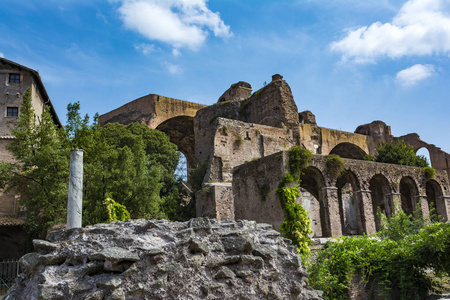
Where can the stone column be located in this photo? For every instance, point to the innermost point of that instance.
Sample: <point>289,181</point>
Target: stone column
<point>446,200</point>
<point>329,197</point>
<point>366,212</point>
<point>423,204</point>
<point>396,202</point>
<point>75,200</point>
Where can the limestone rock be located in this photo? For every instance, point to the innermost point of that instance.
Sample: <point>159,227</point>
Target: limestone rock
<point>200,259</point>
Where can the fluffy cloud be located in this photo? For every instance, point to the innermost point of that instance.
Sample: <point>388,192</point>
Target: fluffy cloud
<point>180,23</point>
<point>421,27</point>
<point>173,69</point>
<point>414,74</point>
<point>145,48</point>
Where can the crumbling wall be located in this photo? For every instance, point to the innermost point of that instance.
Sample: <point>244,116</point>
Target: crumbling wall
<point>145,259</point>
<point>321,140</point>
<point>254,183</point>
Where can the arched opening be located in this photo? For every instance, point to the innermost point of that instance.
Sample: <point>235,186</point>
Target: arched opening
<point>311,185</point>
<point>380,191</point>
<point>425,153</point>
<point>181,132</point>
<point>409,194</point>
<point>348,150</point>
<point>350,210</point>
<point>435,198</point>
<point>182,169</point>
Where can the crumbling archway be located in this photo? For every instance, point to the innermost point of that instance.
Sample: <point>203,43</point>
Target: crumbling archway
<point>409,194</point>
<point>435,198</point>
<point>380,191</point>
<point>313,182</point>
<point>348,150</point>
<point>350,210</point>
<point>181,132</point>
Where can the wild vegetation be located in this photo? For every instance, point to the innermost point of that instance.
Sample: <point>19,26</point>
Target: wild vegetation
<point>297,224</point>
<point>398,152</point>
<point>128,170</point>
<point>395,260</point>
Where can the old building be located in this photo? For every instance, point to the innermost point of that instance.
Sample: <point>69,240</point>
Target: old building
<point>243,138</point>
<point>15,79</point>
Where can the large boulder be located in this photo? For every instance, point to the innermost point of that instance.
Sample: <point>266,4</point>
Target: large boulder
<point>143,259</point>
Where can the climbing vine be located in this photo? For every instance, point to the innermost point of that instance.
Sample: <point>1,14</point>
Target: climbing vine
<point>296,225</point>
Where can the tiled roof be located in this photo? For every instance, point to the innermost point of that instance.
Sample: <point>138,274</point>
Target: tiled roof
<point>11,221</point>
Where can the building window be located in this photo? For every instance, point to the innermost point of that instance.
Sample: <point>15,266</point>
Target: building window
<point>14,78</point>
<point>12,111</point>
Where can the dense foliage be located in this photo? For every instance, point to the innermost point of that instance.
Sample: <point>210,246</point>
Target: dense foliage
<point>335,165</point>
<point>396,258</point>
<point>398,152</point>
<point>132,164</point>
<point>296,224</point>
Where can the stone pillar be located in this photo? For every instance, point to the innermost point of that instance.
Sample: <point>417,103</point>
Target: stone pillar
<point>446,200</point>
<point>423,200</point>
<point>366,212</point>
<point>75,201</point>
<point>333,226</point>
<point>396,202</point>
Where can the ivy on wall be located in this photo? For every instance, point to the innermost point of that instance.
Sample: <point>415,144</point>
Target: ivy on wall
<point>296,225</point>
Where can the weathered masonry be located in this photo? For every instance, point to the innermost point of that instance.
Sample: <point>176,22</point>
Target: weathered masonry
<point>242,139</point>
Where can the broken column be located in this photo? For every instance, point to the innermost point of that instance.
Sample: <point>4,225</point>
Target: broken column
<point>75,200</point>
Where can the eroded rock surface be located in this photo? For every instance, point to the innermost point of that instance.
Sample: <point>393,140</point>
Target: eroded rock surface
<point>148,259</point>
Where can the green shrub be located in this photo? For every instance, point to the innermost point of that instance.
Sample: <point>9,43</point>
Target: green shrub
<point>399,153</point>
<point>429,172</point>
<point>238,141</point>
<point>335,165</point>
<point>296,224</point>
<point>298,159</point>
<point>396,258</point>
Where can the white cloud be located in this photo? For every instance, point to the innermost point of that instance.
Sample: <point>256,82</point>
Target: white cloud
<point>2,55</point>
<point>180,23</point>
<point>145,48</point>
<point>173,69</point>
<point>415,74</point>
<point>421,27</point>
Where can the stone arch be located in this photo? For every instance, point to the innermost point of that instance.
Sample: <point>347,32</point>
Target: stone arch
<point>425,152</point>
<point>311,185</point>
<point>381,194</point>
<point>435,197</point>
<point>409,194</point>
<point>350,204</point>
<point>348,150</point>
<point>180,130</point>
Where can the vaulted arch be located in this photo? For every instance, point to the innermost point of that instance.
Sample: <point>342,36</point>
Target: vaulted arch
<point>435,198</point>
<point>380,191</point>
<point>180,130</point>
<point>409,194</point>
<point>312,183</point>
<point>348,150</point>
<point>350,204</point>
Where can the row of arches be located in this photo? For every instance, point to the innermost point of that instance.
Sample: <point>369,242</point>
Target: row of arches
<point>347,209</point>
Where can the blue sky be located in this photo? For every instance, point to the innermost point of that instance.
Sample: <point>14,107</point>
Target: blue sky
<point>348,61</point>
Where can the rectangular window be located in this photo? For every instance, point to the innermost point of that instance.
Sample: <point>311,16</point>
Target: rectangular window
<point>14,78</point>
<point>12,111</point>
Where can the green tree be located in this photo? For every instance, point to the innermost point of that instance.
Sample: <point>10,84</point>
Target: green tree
<point>399,153</point>
<point>132,164</point>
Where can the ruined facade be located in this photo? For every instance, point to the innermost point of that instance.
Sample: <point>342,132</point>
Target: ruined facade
<point>242,139</point>
<point>15,79</point>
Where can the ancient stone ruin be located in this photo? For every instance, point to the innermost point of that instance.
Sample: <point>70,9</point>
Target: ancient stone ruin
<point>145,259</point>
<point>242,137</point>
